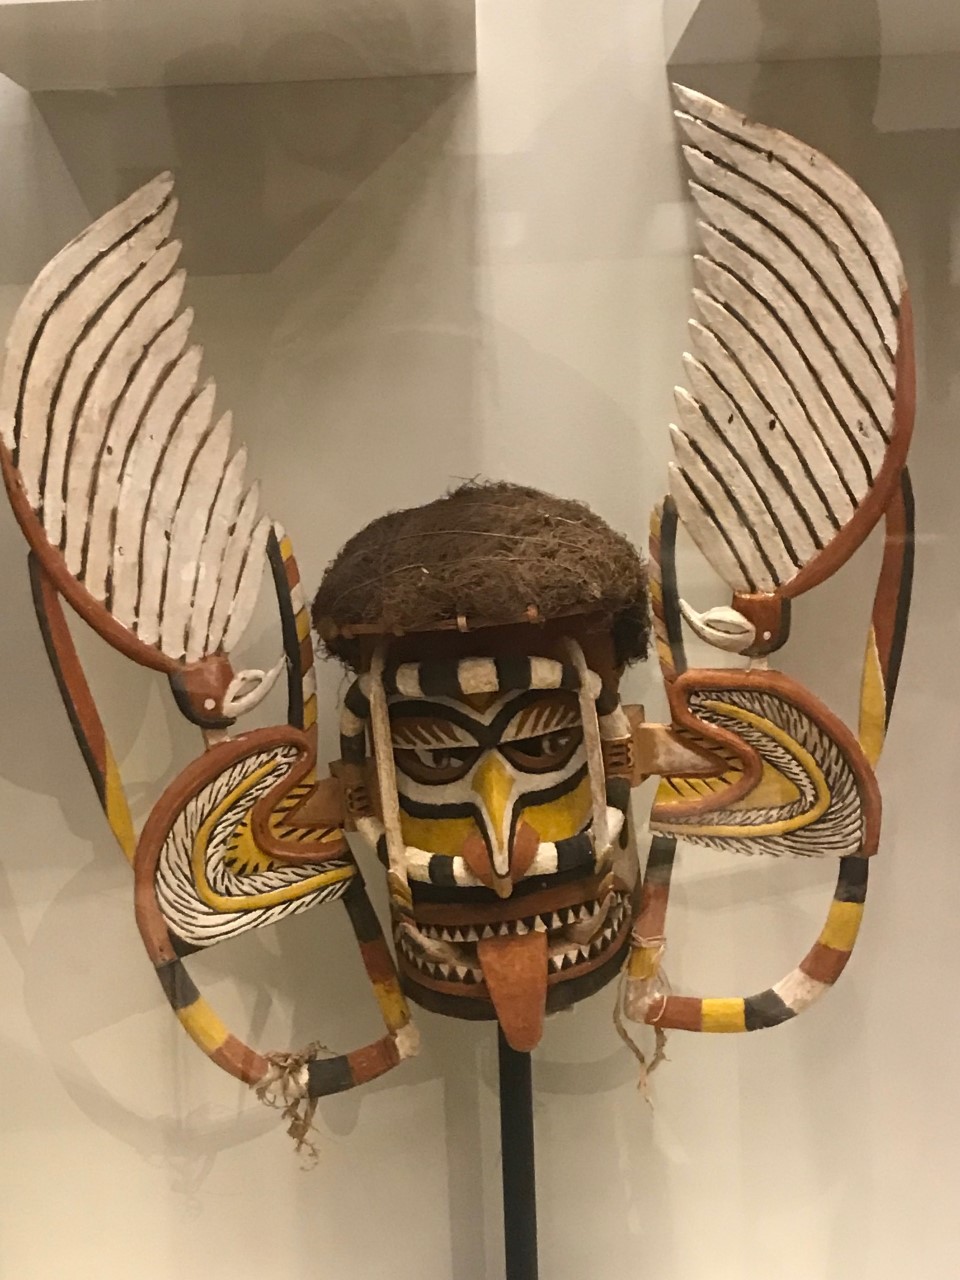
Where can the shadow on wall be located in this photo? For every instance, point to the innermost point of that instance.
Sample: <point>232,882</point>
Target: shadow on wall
<point>259,167</point>
<point>773,30</point>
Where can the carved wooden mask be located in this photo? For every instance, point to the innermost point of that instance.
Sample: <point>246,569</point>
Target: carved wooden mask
<point>485,755</point>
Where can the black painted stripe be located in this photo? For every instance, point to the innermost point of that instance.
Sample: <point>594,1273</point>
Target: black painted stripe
<point>362,915</point>
<point>720,527</point>
<point>439,679</point>
<point>618,793</point>
<point>765,1010</point>
<point>773,418</point>
<point>892,674</point>
<point>766,499</point>
<point>788,492</point>
<point>98,365</point>
<point>104,443</point>
<point>824,195</point>
<point>65,367</point>
<point>440,870</point>
<point>288,632</point>
<point>382,852</point>
<point>328,1075</point>
<point>353,747</point>
<point>852,879</point>
<point>837,257</point>
<point>576,851</point>
<point>174,516</point>
<point>356,701</point>
<point>178,986</point>
<point>810,316</point>
<point>65,293</point>
<point>660,859</point>
<point>745,523</point>
<point>608,700</point>
<point>192,397</point>
<point>788,382</point>
<point>513,672</point>
<point>155,391</point>
<point>811,368</point>
<point>669,588</point>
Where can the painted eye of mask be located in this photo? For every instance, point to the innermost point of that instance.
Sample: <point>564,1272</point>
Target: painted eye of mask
<point>436,765</point>
<point>545,753</point>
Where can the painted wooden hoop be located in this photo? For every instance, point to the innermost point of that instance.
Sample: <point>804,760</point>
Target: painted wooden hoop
<point>321,1076</point>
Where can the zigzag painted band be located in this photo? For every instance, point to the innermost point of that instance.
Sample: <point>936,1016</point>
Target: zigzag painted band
<point>817,972</point>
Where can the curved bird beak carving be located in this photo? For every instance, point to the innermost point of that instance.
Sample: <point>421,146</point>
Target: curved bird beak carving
<point>723,627</point>
<point>248,689</point>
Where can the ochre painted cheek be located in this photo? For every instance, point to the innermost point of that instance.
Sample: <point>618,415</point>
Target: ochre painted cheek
<point>562,817</point>
<point>436,835</point>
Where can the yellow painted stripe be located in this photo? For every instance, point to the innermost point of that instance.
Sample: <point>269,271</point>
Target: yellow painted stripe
<point>873,702</point>
<point>392,1004</point>
<point>656,591</point>
<point>802,756</point>
<point>249,902</point>
<point>310,712</point>
<point>723,1015</point>
<point>203,1026</point>
<point>286,547</point>
<point>303,625</point>
<point>843,925</point>
<point>117,809</point>
<point>644,962</point>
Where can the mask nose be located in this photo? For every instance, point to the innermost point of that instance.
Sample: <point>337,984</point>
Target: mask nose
<point>493,787</point>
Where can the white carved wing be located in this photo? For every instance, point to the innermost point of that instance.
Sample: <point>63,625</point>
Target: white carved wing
<point>793,416</point>
<point>113,442</point>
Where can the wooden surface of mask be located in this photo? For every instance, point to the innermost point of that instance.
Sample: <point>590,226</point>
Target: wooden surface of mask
<point>485,753</point>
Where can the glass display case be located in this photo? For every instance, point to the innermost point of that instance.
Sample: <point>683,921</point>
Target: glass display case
<point>424,247</point>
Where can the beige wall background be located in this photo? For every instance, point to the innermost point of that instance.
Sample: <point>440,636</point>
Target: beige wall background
<point>402,283</point>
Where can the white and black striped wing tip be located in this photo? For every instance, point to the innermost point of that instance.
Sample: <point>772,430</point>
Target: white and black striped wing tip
<point>792,376</point>
<point>115,440</point>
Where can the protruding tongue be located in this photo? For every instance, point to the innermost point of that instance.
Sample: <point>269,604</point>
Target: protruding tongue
<point>515,971</point>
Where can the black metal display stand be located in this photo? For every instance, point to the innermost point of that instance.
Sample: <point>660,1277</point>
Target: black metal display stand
<point>517,1158</point>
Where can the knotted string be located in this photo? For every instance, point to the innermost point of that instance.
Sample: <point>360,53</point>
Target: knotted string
<point>656,985</point>
<point>286,1084</point>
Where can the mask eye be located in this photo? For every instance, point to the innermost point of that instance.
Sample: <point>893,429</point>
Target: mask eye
<point>434,766</point>
<point>543,754</point>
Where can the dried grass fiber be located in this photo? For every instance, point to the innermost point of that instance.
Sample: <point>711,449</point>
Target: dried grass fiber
<point>488,554</point>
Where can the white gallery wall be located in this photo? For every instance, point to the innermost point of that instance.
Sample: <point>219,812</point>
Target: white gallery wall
<point>401,283</point>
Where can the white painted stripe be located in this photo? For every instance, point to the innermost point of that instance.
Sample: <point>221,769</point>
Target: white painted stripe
<point>350,725</point>
<point>186,568</point>
<point>798,991</point>
<point>408,680</point>
<point>545,673</point>
<point>615,726</point>
<point>477,675</point>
